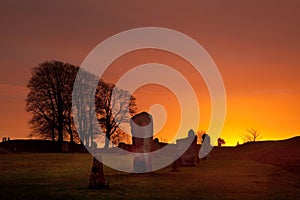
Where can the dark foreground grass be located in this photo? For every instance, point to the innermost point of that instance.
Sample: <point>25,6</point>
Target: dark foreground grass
<point>66,176</point>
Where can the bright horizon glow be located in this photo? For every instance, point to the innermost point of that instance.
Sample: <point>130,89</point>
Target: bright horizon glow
<point>260,106</point>
<point>254,44</point>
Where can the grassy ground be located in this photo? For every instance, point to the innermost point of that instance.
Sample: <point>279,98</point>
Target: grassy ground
<point>66,176</point>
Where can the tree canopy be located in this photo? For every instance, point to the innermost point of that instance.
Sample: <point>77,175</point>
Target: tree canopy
<point>48,100</point>
<point>52,114</point>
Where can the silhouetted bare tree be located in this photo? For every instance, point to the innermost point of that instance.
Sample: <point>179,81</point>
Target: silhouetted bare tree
<point>220,142</point>
<point>48,100</point>
<point>83,106</point>
<point>50,103</point>
<point>114,107</point>
<point>118,136</point>
<point>252,135</point>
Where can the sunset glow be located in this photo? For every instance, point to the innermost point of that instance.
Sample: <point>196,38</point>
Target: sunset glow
<point>256,48</point>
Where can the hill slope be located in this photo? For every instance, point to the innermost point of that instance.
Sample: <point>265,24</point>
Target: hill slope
<point>283,153</point>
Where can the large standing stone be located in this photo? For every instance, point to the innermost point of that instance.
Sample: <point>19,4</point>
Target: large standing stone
<point>142,132</point>
<point>142,139</point>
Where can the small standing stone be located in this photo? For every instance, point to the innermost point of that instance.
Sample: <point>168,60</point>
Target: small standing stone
<point>97,180</point>
<point>175,166</point>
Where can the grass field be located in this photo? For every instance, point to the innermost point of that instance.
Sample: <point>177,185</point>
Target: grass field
<point>66,176</point>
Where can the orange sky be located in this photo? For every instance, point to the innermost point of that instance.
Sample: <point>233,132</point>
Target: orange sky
<point>255,44</point>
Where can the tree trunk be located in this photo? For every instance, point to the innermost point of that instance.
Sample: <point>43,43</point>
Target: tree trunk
<point>71,138</point>
<point>60,139</point>
<point>60,136</point>
<point>52,134</point>
<point>107,140</point>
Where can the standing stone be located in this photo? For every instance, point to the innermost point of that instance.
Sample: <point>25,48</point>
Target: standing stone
<point>97,179</point>
<point>142,139</point>
<point>190,156</point>
<point>175,166</point>
<point>142,132</point>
